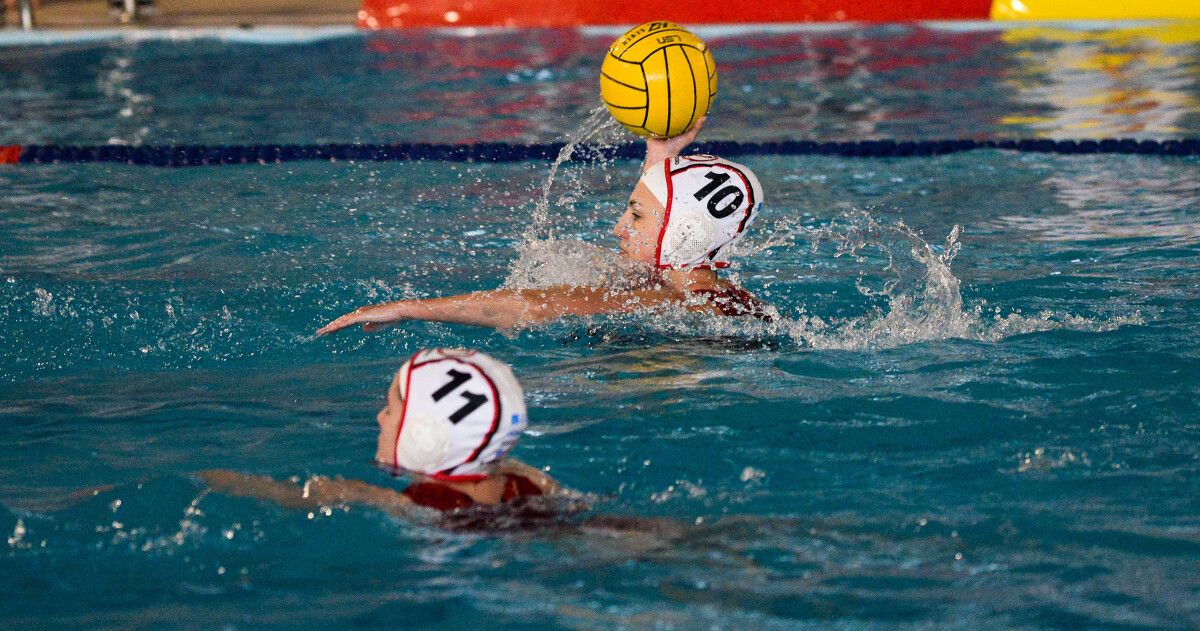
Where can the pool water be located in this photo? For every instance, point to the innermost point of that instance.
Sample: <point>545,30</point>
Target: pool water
<point>978,409</point>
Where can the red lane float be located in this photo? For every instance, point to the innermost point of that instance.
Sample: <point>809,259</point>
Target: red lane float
<point>10,154</point>
<point>380,14</point>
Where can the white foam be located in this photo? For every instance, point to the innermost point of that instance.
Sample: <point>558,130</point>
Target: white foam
<point>552,262</point>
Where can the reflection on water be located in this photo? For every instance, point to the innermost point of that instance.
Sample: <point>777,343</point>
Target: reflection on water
<point>1118,200</point>
<point>1125,82</point>
<point>1007,442</point>
<point>887,81</point>
<point>134,108</point>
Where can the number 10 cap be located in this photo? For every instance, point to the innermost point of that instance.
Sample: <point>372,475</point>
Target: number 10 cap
<point>462,410</point>
<point>709,204</point>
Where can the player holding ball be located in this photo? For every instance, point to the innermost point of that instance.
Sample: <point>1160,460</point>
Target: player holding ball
<point>682,218</point>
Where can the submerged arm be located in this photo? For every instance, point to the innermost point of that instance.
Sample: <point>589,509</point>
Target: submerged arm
<point>503,308</point>
<point>317,491</point>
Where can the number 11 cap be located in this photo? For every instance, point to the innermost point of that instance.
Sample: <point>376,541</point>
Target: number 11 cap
<point>462,410</point>
<point>709,202</point>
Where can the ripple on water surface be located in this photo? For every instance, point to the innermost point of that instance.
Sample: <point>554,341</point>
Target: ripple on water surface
<point>977,407</point>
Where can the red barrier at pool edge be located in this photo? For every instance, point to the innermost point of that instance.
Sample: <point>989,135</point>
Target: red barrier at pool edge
<point>377,14</point>
<point>10,154</point>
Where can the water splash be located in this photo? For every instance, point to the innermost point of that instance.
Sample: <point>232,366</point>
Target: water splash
<point>552,262</point>
<point>596,127</point>
<point>546,261</point>
<point>924,297</point>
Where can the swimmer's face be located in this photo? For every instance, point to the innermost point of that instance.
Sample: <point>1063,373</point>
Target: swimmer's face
<point>639,227</point>
<point>389,424</point>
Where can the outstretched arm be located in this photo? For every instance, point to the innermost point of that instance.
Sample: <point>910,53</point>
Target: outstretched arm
<point>503,308</point>
<point>316,491</point>
<point>659,149</point>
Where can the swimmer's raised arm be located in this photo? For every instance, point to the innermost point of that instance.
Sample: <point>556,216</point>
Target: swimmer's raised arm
<point>504,308</point>
<point>315,492</point>
<point>661,149</point>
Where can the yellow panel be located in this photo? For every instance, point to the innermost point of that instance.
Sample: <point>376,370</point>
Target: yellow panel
<point>620,95</point>
<point>623,71</point>
<point>683,89</point>
<point>1095,9</point>
<point>631,119</point>
<point>704,93</point>
<point>655,67</point>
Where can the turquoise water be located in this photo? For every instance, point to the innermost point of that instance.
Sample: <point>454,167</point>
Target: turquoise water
<point>978,410</point>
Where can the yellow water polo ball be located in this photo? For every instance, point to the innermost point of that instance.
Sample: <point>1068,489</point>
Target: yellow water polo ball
<point>658,79</point>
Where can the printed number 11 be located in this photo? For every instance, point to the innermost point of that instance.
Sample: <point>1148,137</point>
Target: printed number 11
<point>458,378</point>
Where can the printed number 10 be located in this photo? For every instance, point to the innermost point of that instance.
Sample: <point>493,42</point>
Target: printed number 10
<point>716,180</point>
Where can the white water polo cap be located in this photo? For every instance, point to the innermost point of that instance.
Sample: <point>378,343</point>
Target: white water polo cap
<point>462,411</point>
<point>709,202</point>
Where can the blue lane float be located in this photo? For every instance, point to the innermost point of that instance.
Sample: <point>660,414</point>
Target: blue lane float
<point>205,155</point>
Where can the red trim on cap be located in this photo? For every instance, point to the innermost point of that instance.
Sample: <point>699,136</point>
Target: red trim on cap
<point>404,408</point>
<point>666,215</point>
<point>487,438</point>
<point>753,202</point>
<point>10,154</point>
<point>671,197</point>
<point>467,477</point>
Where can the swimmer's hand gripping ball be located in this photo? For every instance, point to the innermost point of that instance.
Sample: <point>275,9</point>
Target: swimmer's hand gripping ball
<point>658,79</point>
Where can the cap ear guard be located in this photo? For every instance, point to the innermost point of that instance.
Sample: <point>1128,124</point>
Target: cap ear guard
<point>424,445</point>
<point>687,237</point>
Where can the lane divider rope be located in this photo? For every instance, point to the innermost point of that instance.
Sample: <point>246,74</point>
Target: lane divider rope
<point>203,155</point>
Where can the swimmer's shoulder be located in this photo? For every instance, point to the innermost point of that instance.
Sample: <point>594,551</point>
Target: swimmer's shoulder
<point>537,477</point>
